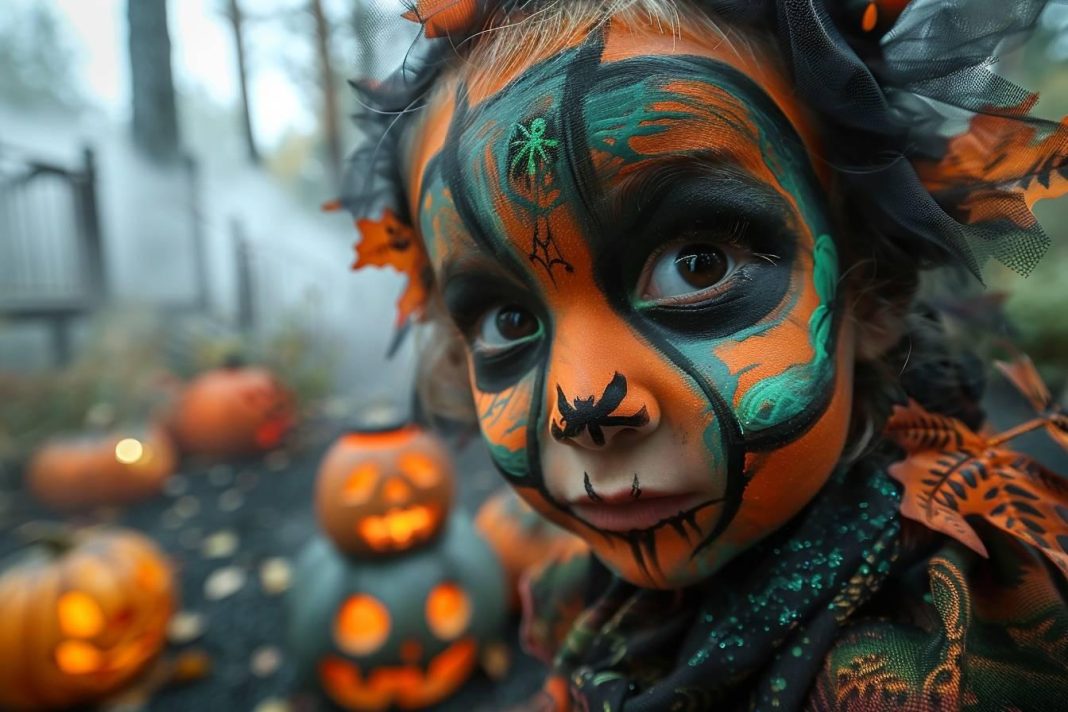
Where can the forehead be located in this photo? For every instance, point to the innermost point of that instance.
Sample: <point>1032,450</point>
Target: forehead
<point>565,132</point>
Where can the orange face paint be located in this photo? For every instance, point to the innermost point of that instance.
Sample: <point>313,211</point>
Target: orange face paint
<point>631,235</point>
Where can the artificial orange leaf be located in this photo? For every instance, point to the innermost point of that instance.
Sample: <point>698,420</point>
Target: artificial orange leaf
<point>1022,374</point>
<point>1000,157</point>
<point>389,242</point>
<point>441,18</point>
<point>950,473</point>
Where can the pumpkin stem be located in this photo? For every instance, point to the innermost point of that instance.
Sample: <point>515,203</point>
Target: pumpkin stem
<point>56,539</point>
<point>234,360</point>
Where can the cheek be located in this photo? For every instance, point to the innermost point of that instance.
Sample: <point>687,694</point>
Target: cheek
<point>784,479</point>
<point>504,421</point>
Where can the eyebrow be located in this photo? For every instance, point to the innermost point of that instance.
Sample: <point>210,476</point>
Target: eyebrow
<point>653,189</point>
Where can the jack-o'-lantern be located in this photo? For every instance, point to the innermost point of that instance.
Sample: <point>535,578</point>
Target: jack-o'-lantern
<point>383,492</point>
<point>80,616</point>
<point>91,470</point>
<point>232,411</point>
<point>521,537</point>
<point>403,632</point>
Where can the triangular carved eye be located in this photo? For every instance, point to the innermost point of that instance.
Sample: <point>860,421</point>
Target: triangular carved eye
<point>360,484</point>
<point>448,611</point>
<point>420,469</point>
<point>362,625</point>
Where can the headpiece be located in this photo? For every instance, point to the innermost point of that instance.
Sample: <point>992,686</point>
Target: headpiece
<point>886,79</point>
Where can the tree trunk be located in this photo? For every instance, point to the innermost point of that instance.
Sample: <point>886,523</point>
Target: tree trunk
<point>155,118</point>
<point>331,126</point>
<point>242,75</point>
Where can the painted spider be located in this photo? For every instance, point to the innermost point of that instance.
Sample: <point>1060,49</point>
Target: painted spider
<point>531,144</point>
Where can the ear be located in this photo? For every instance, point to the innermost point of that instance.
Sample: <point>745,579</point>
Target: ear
<point>878,322</point>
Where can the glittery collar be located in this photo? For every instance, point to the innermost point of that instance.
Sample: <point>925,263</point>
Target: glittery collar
<point>757,633</point>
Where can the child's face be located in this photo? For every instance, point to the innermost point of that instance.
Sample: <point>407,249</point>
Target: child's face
<point>632,239</point>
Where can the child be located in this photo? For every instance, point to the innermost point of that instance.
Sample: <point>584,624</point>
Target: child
<point>681,241</point>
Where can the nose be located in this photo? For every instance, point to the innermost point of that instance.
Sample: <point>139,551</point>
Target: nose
<point>621,411</point>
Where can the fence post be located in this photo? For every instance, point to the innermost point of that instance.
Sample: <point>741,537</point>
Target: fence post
<point>246,308</point>
<point>200,259</point>
<point>94,252</point>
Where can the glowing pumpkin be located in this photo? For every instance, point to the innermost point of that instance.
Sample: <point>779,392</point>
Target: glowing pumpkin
<point>521,537</point>
<point>232,411</point>
<point>81,618</point>
<point>404,632</point>
<point>384,492</point>
<point>92,470</point>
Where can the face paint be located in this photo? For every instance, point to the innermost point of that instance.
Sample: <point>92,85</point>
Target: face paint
<point>631,236</point>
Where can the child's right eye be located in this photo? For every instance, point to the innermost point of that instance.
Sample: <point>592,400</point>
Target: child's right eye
<point>504,326</point>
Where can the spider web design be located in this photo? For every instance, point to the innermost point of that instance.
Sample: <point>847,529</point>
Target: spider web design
<point>530,158</point>
<point>544,250</point>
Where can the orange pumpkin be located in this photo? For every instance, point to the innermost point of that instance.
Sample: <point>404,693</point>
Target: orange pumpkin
<point>232,411</point>
<point>521,537</point>
<point>383,492</point>
<point>81,617</point>
<point>92,470</point>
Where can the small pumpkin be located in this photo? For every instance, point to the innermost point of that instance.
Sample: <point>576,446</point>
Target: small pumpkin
<point>232,411</point>
<point>521,538</point>
<point>77,472</point>
<point>381,492</point>
<point>404,632</point>
<point>82,616</point>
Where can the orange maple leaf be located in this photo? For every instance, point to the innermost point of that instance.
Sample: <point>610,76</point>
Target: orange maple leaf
<point>951,473</point>
<point>998,159</point>
<point>441,18</point>
<point>390,242</point>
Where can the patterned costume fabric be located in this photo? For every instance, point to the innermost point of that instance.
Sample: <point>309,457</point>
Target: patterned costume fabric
<point>849,608</point>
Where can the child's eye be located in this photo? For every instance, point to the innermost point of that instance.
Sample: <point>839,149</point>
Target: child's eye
<point>503,326</point>
<point>688,271</point>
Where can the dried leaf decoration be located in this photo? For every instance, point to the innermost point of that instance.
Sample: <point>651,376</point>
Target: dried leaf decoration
<point>1022,374</point>
<point>441,18</point>
<point>389,242</point>
<point>1000,159</point>
<point>951,472</point>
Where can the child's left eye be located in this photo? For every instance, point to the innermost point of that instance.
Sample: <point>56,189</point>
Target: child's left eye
<point>688,271</point>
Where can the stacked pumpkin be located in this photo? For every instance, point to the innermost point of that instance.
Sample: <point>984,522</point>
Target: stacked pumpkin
<point>394,609</point>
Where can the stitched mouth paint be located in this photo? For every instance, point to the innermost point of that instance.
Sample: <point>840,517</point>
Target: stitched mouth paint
<point>631,237</point>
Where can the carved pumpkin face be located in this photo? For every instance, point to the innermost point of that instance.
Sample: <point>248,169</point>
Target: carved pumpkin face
<point>232,411</point>
<point>384,492</point>
<point>81,472</point>
<point>81,620</point>
<point>400,633</point>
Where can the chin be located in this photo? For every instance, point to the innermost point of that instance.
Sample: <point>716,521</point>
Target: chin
<point>675,570</point>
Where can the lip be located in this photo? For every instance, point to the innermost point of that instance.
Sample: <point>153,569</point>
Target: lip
<point>623,513</point>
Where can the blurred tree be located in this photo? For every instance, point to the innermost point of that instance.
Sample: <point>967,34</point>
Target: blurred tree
<point>37,59</point>
<point>331,123</point>
<point>155,118</point>
<point>237,23</point>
